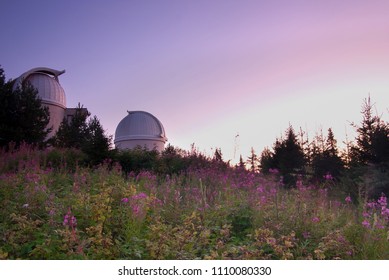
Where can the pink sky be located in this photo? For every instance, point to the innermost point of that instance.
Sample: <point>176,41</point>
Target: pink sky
<point>209,69</point>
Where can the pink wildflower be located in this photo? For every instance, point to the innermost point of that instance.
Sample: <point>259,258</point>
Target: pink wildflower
<point>140,196</point>
<point>69,220</point>
<point>366,215</point>
<point>348,199</point>
<point>328,177</point>
<point>366,224</point>
<point>124,200</point>
<point>315,219</point>
<point>371,204</point>
<point>273,171</point>
<point>382,201</point>
<point>385,212</point>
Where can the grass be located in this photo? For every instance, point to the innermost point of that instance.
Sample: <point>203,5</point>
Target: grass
<point>54,209</point>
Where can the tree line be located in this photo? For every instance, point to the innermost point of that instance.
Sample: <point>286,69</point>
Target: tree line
<point>23,119</point>
<point>364,161</point>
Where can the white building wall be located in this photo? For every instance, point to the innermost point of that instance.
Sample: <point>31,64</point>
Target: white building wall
<point>57,114</point>
<point>132,144</point>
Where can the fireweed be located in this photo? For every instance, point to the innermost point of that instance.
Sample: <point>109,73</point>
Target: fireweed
<point>58,211</point>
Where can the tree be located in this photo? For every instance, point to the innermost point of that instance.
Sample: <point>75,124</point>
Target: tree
<point>326,162</point>
<point>288,157</point>
<point>22,116</point>
<point>241,165</point>
<point>97,143</point>
<point>266,160</point>
<point>253,161</point>
<point>73,133</point>
<point>372,140</point>
<point>86,135</point>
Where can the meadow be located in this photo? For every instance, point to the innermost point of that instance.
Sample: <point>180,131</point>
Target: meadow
<point>52,207</point>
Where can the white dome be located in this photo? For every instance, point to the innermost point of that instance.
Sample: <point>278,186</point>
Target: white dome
<point>45,80</point>
<point>139,128</point>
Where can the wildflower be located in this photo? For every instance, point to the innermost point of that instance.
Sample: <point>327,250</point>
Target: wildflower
<point>69,220</point>
<point>73,221</point>
<point>348,199</point>
<point>328,177</point>
<point>25,205</point>
<point>371,204</point>
<point>382,201</point>
<point>140,196</point>
<point>385,212</point>
<point>66,220</point>
<point>315,219</point>
<point>124,200</point>
<point>366,215</point>
<point>366,224</point>
<point>273,170</point>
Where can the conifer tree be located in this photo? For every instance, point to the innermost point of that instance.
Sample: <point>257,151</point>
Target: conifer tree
<point>253,161</point>
<point>372,140</point>
<point>326,162</point>
<point>22,116</point>
<point>288,157</point>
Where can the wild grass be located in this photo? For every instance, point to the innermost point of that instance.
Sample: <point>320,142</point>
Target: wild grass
<point>52,208</point>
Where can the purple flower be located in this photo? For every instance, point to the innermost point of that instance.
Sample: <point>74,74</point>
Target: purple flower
<point>385,212</point>
<point>124,200</point>
<point>139,196</point>
<point>366,215</point>
<point>273,170</point>
<point>382,201</point>
<point>366,224</point>
<point>315,219</point>
<point>348,199</point>
<point>328,177</point>
<point>66,220</point>
<point>69,220</point>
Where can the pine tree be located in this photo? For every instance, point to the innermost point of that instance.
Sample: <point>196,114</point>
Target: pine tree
<point>86,135</point>
<point>73,133</point>
<point>97,143</point>
<point>326,162</point>
<point>372,141</point>
<point>22,116</point>
<point>289,157</point>
<point>266,160</point>
<point>253,161</point>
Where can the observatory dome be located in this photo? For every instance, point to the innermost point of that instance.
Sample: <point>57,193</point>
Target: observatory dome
<point>45,80</point>
<point>142,129</point>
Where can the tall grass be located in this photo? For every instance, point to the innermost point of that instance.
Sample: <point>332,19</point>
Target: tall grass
<point>53,208</point>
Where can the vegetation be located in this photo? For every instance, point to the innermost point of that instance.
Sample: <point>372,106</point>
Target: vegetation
<point>53,208</point>
<point>22,117</point>
<point>78,199</point>
<point>86,135</point>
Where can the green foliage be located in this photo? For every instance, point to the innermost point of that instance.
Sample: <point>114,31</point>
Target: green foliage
<point>22,116</point>
<point>86,135</point>
<point>53,208</point>
<point>287,157</point>
<point>372,141</point>
<point>326,161</point>
<point>73,133</point>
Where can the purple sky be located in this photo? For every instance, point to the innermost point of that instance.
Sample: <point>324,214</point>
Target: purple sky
<point>209,70</point>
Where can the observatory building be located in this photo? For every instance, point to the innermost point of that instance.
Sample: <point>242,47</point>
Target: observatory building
<point>51,93</point>
<point>140,129</point>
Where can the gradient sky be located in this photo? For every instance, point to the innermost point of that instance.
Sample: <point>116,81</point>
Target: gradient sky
<point>209,70</point>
